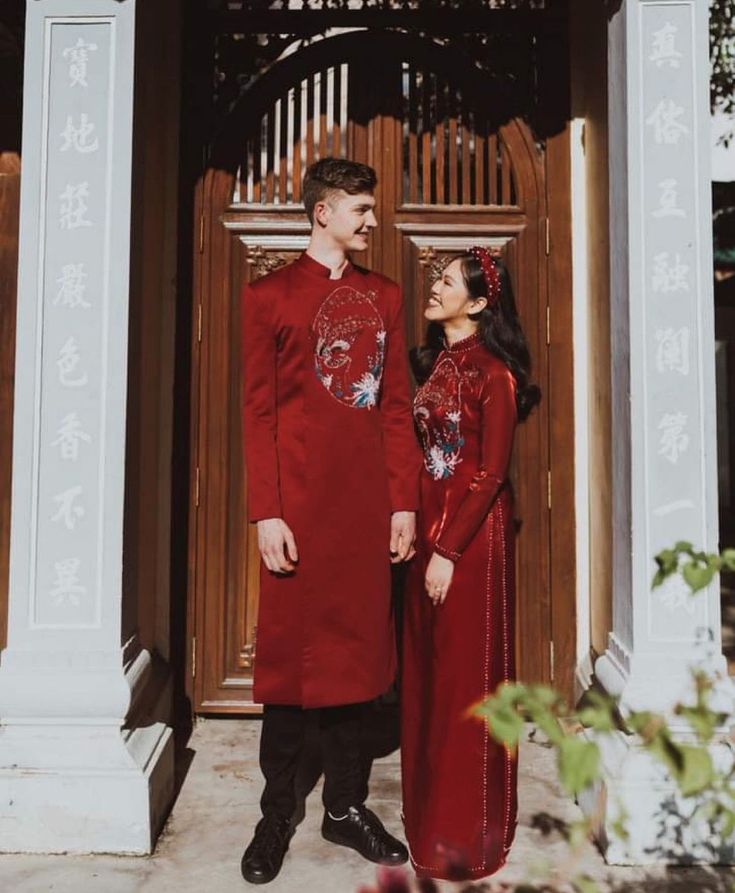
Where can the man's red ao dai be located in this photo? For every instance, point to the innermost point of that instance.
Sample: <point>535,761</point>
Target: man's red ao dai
<point>459,787</point>
<point>330,448</point>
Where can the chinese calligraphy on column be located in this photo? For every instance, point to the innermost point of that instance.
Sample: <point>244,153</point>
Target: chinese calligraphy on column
<point>76,260</point>
<point>78,56</point>
<point>72,287</point>
<point>80,137</point>
<point>672,351</point>
<point>670,290</point>
<point>663,49</point>
<point>74,206</point>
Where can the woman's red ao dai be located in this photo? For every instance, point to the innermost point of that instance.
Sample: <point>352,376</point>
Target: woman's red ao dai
<point>459,787</point>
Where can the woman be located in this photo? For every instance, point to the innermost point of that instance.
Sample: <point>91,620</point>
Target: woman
<point>459,787</point>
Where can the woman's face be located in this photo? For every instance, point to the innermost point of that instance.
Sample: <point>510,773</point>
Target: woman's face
<point>449,300</point>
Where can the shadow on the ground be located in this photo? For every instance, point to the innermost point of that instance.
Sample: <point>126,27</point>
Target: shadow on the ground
<point>679,880</point>
<point>183,760</point>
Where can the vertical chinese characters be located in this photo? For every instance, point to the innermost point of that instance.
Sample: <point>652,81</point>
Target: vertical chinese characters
<point>67,588</point>
<point>67,362</point>
<point>74,206</point>
<point>672,350</point>
<point>663,50</point>
<point>68,513</point>
<point>69,436</point>
<point>668,200</point>
<point>669,275</point>
<point>673,440</point>
<point>78,57</point>
<point>665,119</point>
<point>72,287</point>
<point>76,176</point>
<point>80,138</point>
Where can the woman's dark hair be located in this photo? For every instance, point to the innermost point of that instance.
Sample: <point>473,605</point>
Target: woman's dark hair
<point>499,328</point>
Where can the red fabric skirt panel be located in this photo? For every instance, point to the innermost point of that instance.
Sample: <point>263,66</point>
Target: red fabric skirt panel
<point>459,787</point>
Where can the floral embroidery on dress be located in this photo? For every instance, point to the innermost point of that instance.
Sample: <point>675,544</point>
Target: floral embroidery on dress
<point>350,347</point>
<point>439,419</point>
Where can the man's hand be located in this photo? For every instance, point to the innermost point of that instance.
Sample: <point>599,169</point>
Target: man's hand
<point>402,536</point>
<point>277,546</point>
<point>438,579</point>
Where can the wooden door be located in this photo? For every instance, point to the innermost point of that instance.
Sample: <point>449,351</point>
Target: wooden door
<point>9,221</point>
<point>449,176</point>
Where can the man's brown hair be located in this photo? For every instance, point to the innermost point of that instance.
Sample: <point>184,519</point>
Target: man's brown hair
<point>331,174</point>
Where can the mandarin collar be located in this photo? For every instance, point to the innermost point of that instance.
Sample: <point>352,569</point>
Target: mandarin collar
<point>308,263</point>
<point>463,344</point>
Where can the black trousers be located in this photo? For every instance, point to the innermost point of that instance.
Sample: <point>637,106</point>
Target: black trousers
<point>282,741</point>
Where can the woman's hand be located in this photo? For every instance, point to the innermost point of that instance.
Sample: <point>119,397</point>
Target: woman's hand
<point>438,579</point>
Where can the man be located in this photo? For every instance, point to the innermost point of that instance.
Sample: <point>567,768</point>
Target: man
<point>332,469</point>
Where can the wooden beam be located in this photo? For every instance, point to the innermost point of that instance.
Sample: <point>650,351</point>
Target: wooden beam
<point>281,21</point>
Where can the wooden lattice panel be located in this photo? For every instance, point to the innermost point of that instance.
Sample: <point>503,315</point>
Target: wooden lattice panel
<point>307,123</point>
<point>450,153</point>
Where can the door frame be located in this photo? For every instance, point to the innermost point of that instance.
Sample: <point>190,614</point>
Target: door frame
<point>561,440</point>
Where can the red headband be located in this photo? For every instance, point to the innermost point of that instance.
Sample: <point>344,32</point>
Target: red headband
<point>489,272</point>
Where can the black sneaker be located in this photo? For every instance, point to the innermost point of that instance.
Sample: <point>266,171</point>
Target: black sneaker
<point>363,831</point>
<point>263,858</point>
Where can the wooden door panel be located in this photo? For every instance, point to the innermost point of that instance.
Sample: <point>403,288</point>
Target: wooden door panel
<point>9,220</point>
<point>227,644</point>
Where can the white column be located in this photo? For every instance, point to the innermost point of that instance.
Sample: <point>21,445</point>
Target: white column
<point>664,450</point>
<point>72,777</point>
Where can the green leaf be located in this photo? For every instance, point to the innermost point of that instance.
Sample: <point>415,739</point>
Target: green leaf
<point>667,561</point>
<point>596,718</point>
<point>728,823</point>
<point>728,559</point>
<point>549,725</point>
<point>619,827</point>
<point>598,712</point>
<point>702,720</point>
<point>578,762</point>
<point>578,833</point>
<point>709,811</point>
<point>667,558</point>
<point>584,884</point>
<point>684,546</point>
<point>661,746</point>
<point>697,576</point>
<point>505,725</point>
<point>645,723</point>
<point>697,772</point>
<point>544,696</point>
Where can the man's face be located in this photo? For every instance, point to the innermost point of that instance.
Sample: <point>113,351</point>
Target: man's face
<point>348,219</point>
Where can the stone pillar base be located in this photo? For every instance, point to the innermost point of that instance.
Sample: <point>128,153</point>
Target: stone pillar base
<point>659,821</point>
<point>102,789</point>
<point>72,778</point>
<point>656,681</point>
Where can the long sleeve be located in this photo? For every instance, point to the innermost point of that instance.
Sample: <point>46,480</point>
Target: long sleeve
<point>498,421</point>
<point>402,456</point>
<point>259,404</point>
